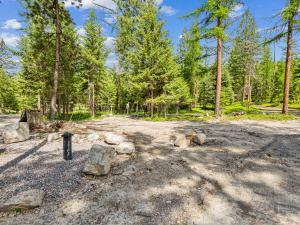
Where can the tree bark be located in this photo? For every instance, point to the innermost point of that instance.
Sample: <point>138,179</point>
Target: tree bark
<point>119,81</point>
<point>244,88</point>
<point>2,108</point>
<point>93,102</point>
<point>67,103</point>
<point>152,104</point>
<point>137,107</point>
<point>250,72</point>
<point>273,89</point>
<point>285,108</point>
<point>165,106</point>
<point>55,83</point>
<point>34,119</point>
<point>219,72</point>
<point>59,105</point>
<point>39,102</point>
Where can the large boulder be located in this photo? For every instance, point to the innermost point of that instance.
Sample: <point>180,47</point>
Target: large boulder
<point>114,139</point>
<point>15,132</point>
<point>199,139</point>
<point>25,200</point>
<point>181,141</point>
<point>99,160</point>
<point>126,148</point>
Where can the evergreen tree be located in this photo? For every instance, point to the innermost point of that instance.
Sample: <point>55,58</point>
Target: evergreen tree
<point>289,16</point>
<point>213,25</point>
<point>95,54</point>
<point>151,56</point>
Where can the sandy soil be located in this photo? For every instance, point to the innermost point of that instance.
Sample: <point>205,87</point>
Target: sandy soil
<point>248,172</point>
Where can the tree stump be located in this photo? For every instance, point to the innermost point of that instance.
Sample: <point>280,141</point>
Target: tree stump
<point>34,118</point>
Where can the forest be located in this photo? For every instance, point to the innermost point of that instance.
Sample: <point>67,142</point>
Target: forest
<point>220,61</point>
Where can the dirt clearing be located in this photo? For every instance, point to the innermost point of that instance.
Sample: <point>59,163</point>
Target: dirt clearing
<point>247,172</point>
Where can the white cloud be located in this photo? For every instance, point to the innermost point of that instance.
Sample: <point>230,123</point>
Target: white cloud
<point>159,2</point>
<point>112,61</point>
<point>10,39</point>
<point>12,24</point>
<point>168,10</point>
<point>81,31</point>
<point>86,4</point>
<point>111,54</point>
<point>181,36</point>
<point>237,11</point>
<point>260,30</point>
<point>110,43</point>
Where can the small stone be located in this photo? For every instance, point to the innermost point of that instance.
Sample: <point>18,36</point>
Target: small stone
<point>93,137</point>
<point>76,138</point>
<point>168,202</point>
<point>126,148</point>
<point>53,136</point>
<point>181,141</point>
<point>114,139</point>
<point>199,139</point>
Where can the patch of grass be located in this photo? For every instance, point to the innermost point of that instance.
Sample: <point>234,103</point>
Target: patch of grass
<point>17,209</point>
<point>237,107</point>
<point>261,117</point>
<point>279,106</point>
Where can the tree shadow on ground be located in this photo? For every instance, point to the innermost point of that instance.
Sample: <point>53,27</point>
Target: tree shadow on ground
<point>223,182</point>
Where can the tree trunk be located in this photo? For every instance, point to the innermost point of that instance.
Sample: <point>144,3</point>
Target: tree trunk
<point>34,119</point>
<point>165,105</point>
<point>137,107</point>
<point>39,102</point>
<point>119,81</point>
<point>2,108</point>
<point>177,109</point>
<point>285,108</point>
<point>55,83</point>
<point>250,72</point>
<point>67,107</point>
<point>152,104</point>
<point>273,89</point>
<point>244,88</point>
<point>59,105</point>
<point>219,72</point>
<point>93,102</point>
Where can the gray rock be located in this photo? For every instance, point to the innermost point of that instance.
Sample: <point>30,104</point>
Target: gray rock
<point>25,200</point>
<point>114,139</point>
<point>76,138</point>
<point>93,137</point>
<point>126,148</point>
<point>199,139</point>
<point>53,136</point>
<point>15,132</point>
<point>99,160</point>
<point>181,141</point>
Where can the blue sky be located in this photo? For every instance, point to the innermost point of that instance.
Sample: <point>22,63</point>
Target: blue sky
<point>172,9</point>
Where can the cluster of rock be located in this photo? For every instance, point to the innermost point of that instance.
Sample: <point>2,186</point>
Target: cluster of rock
<point>182,142</point>
<point>101,156</point>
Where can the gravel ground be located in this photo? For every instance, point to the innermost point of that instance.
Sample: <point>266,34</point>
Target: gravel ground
<point>39,165</point>
<point>247,172</point>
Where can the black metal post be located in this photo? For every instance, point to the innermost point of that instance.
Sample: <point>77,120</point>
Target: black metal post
<point>67,145</point>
